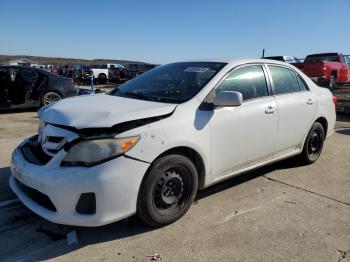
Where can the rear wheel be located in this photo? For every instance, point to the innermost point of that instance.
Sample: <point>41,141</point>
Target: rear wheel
<point>50,97</point>
<point>313,144</point>
<point>167,191</point>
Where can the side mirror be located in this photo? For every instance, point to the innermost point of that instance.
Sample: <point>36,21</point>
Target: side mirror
<point>228,99</point>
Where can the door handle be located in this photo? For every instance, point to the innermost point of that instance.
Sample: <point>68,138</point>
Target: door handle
<point>269,110</point>
<point>310,101</point>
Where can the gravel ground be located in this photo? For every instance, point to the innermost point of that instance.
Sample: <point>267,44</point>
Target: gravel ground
<point>283,212</point>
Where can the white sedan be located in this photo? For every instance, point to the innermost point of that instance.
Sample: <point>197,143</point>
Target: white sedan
<point>148,146</point>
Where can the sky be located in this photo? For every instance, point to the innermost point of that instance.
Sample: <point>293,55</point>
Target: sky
<point>161,31</point>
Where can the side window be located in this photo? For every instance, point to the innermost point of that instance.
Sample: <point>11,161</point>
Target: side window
<point>302,84</point>
<point>248,80</point>
<point>30,76</point>
<point>284,80</point>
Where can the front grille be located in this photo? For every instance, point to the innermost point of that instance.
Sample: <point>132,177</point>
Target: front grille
<point>33,152</point>
<point>38,197</point>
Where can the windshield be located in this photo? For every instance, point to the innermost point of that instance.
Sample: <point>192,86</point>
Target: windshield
<point>172,83</point>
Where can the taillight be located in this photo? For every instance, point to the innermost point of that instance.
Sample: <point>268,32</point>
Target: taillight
<point>324,68</point>
<point>334,99</point>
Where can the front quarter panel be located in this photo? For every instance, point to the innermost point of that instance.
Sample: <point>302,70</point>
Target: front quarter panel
<point>186,127</point>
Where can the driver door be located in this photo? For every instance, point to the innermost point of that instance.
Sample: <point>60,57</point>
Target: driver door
<point>243,136</point>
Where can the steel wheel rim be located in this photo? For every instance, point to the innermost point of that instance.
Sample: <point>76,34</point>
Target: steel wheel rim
<point>314,143</point>
<point>171,191</point>
<point>51,97</point>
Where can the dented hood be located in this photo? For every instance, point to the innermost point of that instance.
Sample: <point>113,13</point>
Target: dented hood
<point>93,111</point>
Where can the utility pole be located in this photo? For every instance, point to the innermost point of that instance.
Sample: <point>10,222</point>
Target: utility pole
<point>263,53</point>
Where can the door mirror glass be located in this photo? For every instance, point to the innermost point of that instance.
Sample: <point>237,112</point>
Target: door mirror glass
<point>228,99</point>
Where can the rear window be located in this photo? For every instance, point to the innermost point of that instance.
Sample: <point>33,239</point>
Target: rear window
<point>328,58</point>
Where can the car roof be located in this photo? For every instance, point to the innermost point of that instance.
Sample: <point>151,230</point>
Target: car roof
<point>241,61</point>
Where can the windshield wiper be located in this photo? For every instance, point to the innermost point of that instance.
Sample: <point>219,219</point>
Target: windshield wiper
<point>137,95</point>
<point>148,98</point>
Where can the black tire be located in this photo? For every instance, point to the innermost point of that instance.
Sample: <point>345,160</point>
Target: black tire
<point>313,144</point>
<point>102,79</point>
<point>332,82</point>
<point>167,191</point>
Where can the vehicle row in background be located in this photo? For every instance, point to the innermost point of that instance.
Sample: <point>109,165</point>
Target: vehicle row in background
<point>102,73</point>
<point>32,87</point>
<point>326,69</point>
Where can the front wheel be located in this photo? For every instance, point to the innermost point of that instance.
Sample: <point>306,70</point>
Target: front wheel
<point>313,144</point>
<point>167,191</point>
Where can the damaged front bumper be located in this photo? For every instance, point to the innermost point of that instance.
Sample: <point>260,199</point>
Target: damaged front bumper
<point>64,195</point>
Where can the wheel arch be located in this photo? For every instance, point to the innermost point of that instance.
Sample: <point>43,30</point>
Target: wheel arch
<point>191,154</point>
<point>47,90</point>
<point>323,121</point>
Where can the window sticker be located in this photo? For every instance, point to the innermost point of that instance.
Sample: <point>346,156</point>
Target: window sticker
<point>192,69</point>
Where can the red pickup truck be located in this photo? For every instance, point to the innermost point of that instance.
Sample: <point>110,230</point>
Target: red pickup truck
<point>327,69</point>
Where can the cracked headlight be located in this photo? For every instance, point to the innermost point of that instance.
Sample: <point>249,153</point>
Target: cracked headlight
<point>93,152</point>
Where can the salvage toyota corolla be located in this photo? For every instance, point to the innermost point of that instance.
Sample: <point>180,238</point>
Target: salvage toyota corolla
<point>149,145</point>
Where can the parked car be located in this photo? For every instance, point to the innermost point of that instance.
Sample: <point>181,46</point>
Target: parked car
<point>117,75</point>
<point>53,69</point>
<point>284,58</point>
<point>135,70</point>
<point>100,72</point>
<point>82,74</point>
<point>149,145</point>
<point>66,71</point>
<point>32,87</point>
<point>326,69</point>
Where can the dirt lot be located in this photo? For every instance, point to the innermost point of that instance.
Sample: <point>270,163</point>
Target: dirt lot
<point>283,212</point>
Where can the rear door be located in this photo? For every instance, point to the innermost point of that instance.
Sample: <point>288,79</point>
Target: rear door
<point>25,83</point>
<point>296,108</point>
